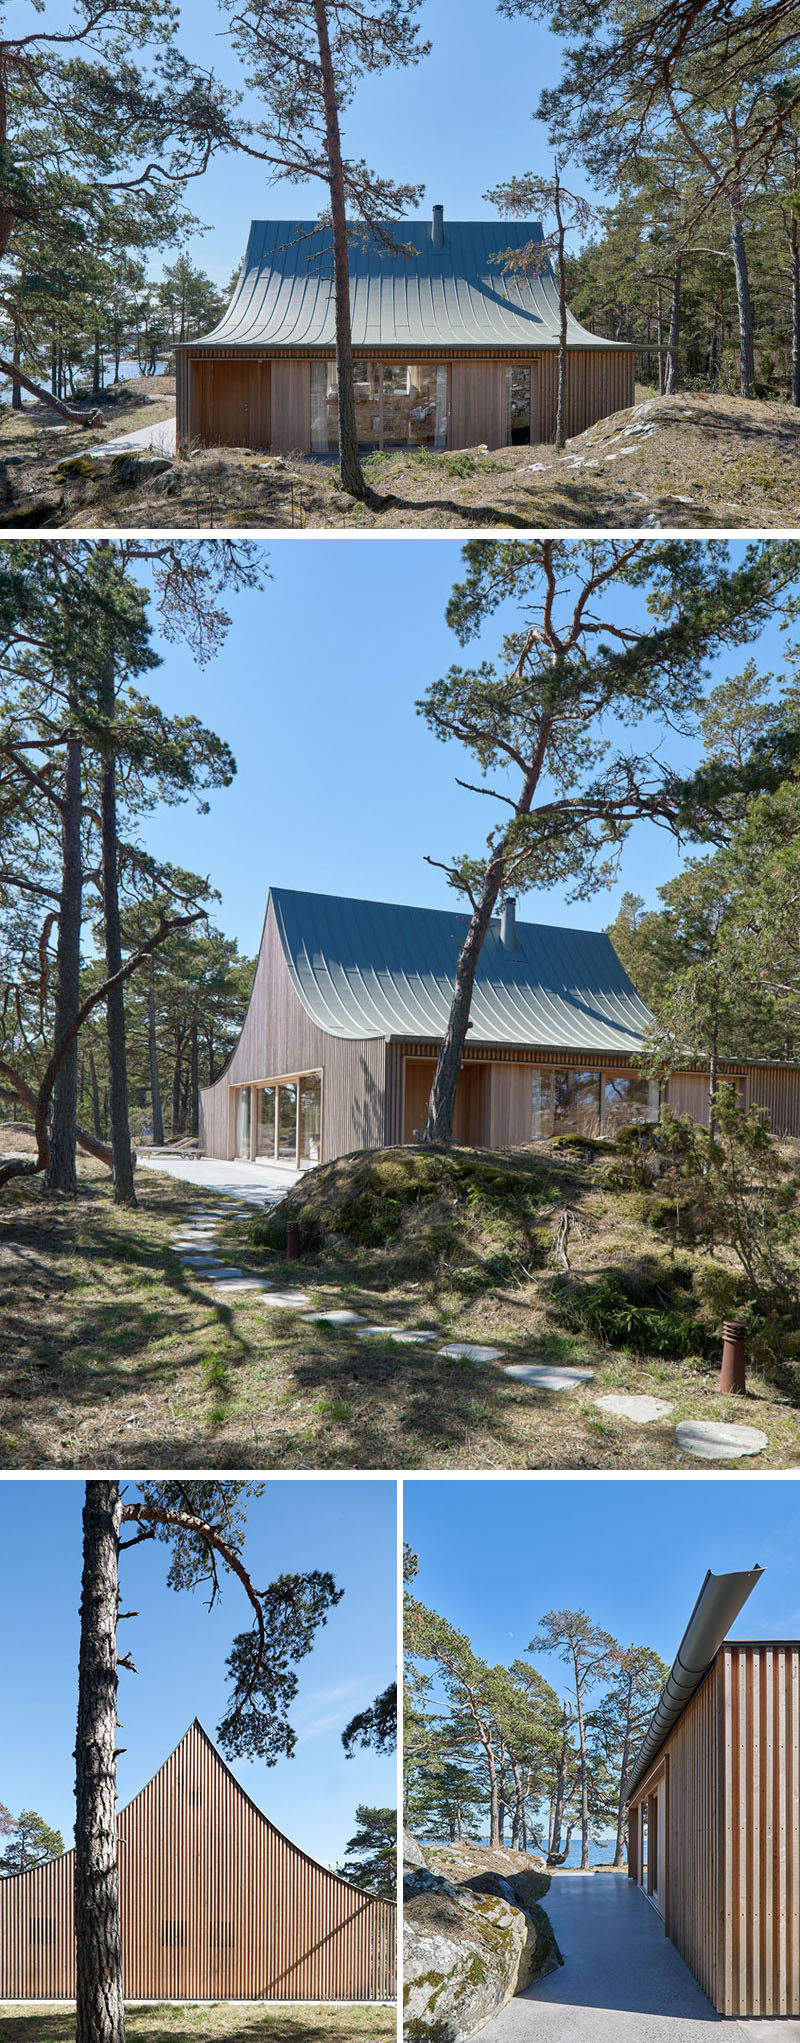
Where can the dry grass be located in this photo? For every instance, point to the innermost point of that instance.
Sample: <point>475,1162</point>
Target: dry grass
<point>685,461</point>
<point>223,2022</point>
<point>115,1356</point>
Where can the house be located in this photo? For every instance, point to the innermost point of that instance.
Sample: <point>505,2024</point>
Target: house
<point>215,1904</point>
<point>450,348</point>
<point>714,1808</point>
<point>349,1005</point>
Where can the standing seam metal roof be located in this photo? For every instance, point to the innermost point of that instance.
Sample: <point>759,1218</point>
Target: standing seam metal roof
<point>453,296</point>
<point>373,969</point>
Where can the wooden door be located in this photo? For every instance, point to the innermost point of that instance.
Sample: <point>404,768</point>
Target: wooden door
<point>230,404</point>
<point>478,404</point>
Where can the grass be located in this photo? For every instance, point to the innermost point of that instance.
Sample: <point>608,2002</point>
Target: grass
<point>116,1356</point>
<point>218,2022</point>
<point>683,461</point>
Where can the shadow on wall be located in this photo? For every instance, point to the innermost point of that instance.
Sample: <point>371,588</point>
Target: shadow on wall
<point>369,1111</point>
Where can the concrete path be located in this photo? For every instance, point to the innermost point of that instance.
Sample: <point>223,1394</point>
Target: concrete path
<point>256,1183</point>
<point>622,1981</point>
<point>155,439</point>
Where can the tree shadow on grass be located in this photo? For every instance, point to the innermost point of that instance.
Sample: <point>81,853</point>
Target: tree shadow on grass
<point>219,2023</point>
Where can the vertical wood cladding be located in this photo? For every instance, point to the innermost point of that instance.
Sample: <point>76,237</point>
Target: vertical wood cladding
<point>278,1037</point>
<point>773,1087</point>
<point>265,401</point>
<point>733,1816</point>
<point>216,1905</point>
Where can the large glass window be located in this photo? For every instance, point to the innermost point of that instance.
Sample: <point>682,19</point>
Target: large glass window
<point>311,1118</point>
<point>267,1116</point>
<point>542,1105</point>
<point>398,404</point>
<point>576,1101</point>
<point>628,1097</point>
<point>518,388</point>
<point>287,1122</point>
<point>243,1121</point>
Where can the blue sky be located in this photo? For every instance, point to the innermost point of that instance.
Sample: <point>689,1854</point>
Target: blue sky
<point>631,1552</point>
<point>180,1648</point>
<point>341,787</point>
<point>458,123</point>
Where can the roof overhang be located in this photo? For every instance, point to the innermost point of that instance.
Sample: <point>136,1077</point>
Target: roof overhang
<point>718,1605</point>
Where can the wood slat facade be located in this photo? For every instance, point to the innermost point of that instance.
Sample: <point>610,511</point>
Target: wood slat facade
<point>251,398</point>
<point>215,1905</point>
<point>721,1809</point>
<point>375,1091</point>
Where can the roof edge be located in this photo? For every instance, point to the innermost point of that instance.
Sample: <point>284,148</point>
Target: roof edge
<point>717,1606</point>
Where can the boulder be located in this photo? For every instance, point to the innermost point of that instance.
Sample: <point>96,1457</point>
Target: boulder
<point>413,1855</point>
<point>473,1937</point>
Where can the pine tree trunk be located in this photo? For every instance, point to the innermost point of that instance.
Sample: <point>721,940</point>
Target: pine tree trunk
<point>660,341</point>
<point>795,315</point>
<point>155,1082</point>
<point>561,1782</point>
<point>352,477</point>
<point>124,1192</point>
<point>194,1083</point>
<point>561,399</point>
<point>96,364</point>
<point>61,1174</point>
<point>100,2011</point>
<point>584,1783</point>
<point>96,1117</point>
<point>713,1081</point>
<point>177,1077</point>
<point>672,379</point>
<point>619,1850</point>
<point>16,386</point>
<point>441,1105</point>
<point>747,366</point>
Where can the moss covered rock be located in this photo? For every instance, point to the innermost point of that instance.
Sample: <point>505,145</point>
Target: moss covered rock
<point>470,1942</point>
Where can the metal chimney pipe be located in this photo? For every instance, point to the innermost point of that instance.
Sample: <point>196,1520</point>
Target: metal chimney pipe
<point>508,923</point>
<point>437,227</point>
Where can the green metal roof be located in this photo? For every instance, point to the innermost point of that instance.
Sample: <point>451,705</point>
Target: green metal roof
<point>449,296</point>
<point>372,968</point>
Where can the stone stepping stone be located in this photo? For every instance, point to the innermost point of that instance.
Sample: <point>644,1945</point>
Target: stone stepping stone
<point>640,1410</point>
<point>470,1351</point>
<point>375,1333</point>
<point>339,1317</point>
<point>200,1262</point>
<point>543,1378</point>
<point>219,1272</point>
<point>292,1300</point>
<point>226,1284</point>
<point>717,1440</point>
<point>409,1337</point>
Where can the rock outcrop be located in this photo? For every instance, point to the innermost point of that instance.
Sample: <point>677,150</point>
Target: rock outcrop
<point>474,1935</point>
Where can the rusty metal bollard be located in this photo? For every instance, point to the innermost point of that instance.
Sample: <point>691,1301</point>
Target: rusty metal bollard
<point>732,1375</point>
<point>292,1242</point>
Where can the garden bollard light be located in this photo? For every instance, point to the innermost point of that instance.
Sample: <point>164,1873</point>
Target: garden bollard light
<point>292,1242</point>
<point>732,1375</point>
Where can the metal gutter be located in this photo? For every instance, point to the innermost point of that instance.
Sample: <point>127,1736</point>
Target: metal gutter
<point>718,1605</point>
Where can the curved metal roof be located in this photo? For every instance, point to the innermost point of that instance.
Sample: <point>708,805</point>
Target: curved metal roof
<point>718,1604</point>
<point>369,968</point>
<point>451,296</point>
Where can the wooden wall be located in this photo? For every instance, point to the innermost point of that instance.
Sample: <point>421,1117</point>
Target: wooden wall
<point>291,407</point>
<point>225,400</point>
<point>229,403</point>
<point>733,1814</point>
<point>774,1087</point>
<point>471,1115</point>
<point>478,404</point>
<point>215,1905</point>
<point>278,1036</point>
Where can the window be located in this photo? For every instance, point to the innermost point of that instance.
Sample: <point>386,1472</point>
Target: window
<point>311,1118</point>
<point>243,1121</point>
<point>542,1105</point>
<point>626,1098</point>
<point>41,1929</point>
<point>222,1936</point>
<point>518,387</point>
<point>577,1102</point>
<point>173,1935</point>
<point>267,1121</point>
<point>398,404</point>
<point>287,1123</point>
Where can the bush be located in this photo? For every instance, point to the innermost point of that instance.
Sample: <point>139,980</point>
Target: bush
<point>623,1311</point>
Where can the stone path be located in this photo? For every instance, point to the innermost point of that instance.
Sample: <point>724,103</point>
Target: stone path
<point>258,1184</point>
<point>622,1981</point>
<point>153,439</point>
<point>194,1241</point>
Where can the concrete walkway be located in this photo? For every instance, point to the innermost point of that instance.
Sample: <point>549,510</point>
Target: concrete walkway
<point>622,1981</point>
<point>255,1183</point>
<point>155,439</point>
